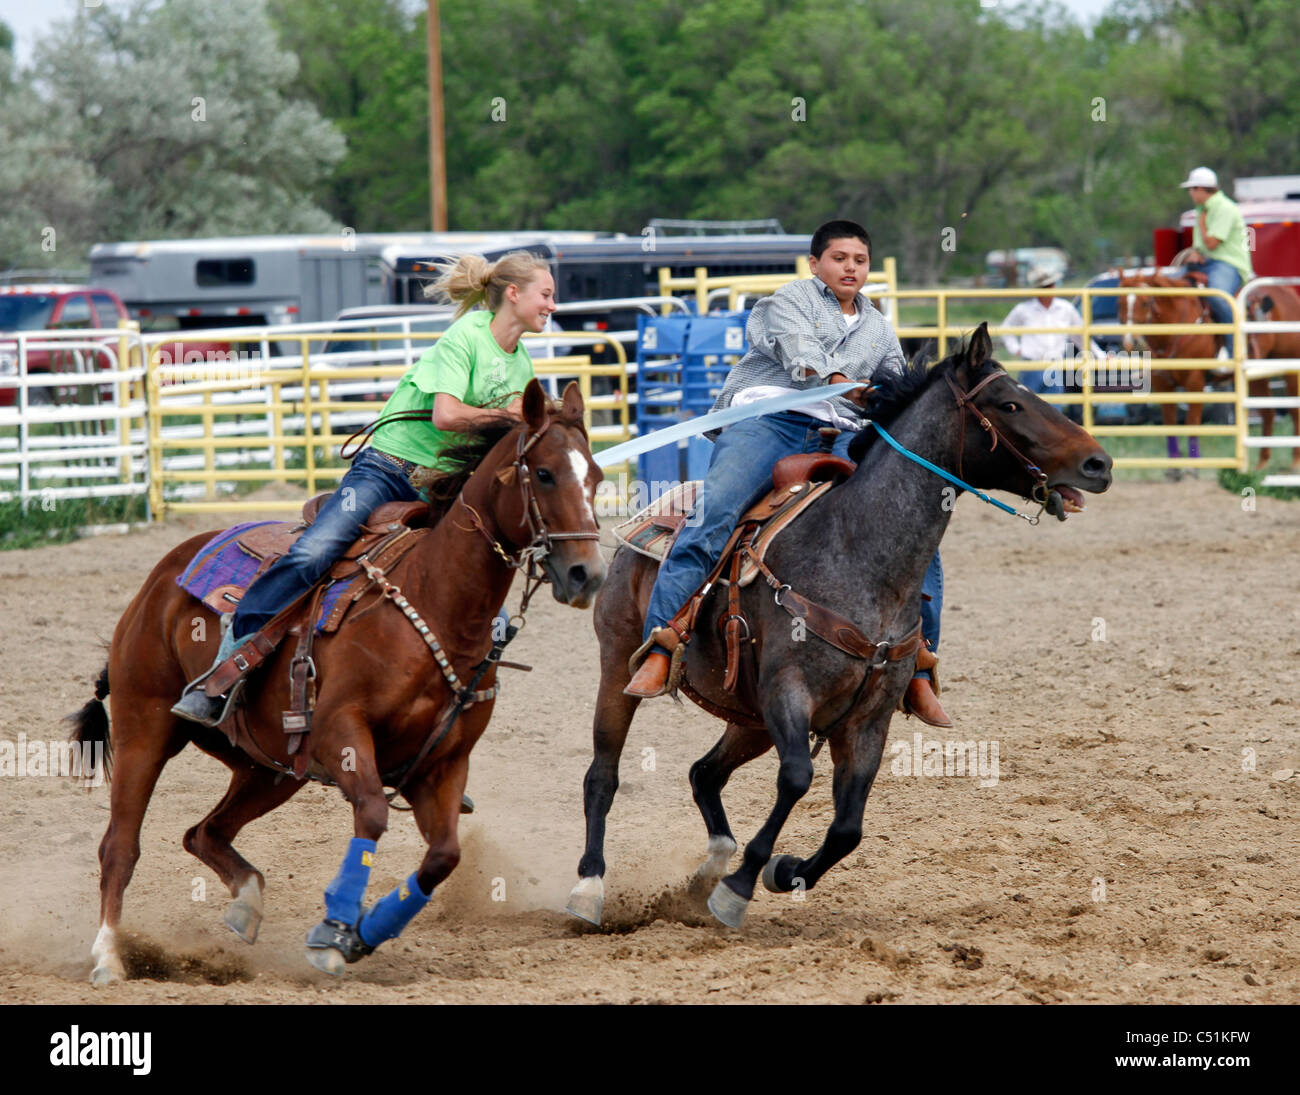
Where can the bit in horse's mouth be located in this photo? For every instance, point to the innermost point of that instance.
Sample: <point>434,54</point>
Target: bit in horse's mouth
<point>1072,498</point>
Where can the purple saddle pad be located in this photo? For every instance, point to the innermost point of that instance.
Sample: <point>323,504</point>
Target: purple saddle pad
<point>222,562</point>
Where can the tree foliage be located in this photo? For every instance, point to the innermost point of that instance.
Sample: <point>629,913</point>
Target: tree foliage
<point>948,129</point>
<point>159,121</point>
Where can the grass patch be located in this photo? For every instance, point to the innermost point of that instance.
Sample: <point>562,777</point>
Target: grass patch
<point>1234,481</point>
<point>58,520</point>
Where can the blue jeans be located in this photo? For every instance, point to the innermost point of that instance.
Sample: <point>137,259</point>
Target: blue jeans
<point>1219,275</point>
<point>740,473</point>
<point>371,481</point>
<point>1035,381</point>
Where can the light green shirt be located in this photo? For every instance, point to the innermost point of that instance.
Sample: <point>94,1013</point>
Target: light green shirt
<point>1223,221</point>
<point>467,362</point>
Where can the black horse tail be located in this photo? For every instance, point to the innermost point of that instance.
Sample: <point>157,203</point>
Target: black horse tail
<point>90,729</point>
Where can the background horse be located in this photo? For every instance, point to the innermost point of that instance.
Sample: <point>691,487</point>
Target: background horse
<point>1136,308</point>
<point>380,692</point>
<point>1279,303</point>
<point>862,553</point>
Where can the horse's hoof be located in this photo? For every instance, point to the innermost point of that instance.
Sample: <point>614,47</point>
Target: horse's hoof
<point>244,920</point>
<point>333,937</point>
<point>776,863</point>
<point>587,899</point>
<point>720,851</point>
<point>727,905</point>
<point>107,975</point>
<point>327,960</point>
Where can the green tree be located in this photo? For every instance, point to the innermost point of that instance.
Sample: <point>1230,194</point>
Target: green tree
<point>365,71</point>
<point>161,121</point>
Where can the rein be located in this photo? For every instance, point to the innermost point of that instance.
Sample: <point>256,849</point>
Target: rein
<point>965,399</point>
<point>542,539</point>
<point>366,431</point>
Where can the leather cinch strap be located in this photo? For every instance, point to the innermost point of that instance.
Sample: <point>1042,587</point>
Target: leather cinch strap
<point>841,633</point>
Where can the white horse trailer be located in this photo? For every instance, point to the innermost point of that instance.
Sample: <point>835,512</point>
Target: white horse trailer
<point>266,280</point>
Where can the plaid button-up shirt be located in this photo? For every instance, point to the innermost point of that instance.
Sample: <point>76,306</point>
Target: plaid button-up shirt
<point>798,338</point>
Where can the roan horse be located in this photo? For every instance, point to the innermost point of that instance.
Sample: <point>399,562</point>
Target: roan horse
<point>862,555</point>
<point>381,695</point>
<point>1136,308</point>
<point>1279,303</point>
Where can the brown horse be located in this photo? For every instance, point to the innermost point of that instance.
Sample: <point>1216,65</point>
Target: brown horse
<point>380,696</point>
<point>1136,308</point>
<point>863,554</point>
<point>1279,303</point>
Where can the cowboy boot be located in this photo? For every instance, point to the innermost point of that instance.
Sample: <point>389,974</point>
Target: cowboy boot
<point>651,679</point>
<point>920,700</point>
<point>195,704</point>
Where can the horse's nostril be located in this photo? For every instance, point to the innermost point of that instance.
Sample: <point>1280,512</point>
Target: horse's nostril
<point>577,577</point>
<point>1096,466</point>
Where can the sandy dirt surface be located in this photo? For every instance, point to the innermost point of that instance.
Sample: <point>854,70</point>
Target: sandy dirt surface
<point>1129,851</point>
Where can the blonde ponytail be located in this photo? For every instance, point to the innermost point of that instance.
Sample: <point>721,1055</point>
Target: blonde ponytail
<point>471,280</point>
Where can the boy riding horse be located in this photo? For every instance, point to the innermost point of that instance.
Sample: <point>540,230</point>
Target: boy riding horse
<point>808,333</point>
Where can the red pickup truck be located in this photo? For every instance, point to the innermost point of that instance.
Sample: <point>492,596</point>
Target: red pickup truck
<point>55,308</point>
<point>61,307</point>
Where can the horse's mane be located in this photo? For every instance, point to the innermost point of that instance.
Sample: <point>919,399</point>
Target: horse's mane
<point>458,461</point>
<point>893,392</point>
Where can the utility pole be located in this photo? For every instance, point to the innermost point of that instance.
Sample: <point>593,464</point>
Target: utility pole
<point>437,150</point>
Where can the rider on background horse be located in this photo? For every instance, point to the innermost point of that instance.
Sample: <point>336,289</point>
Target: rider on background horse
<point>810,332</point>
<point>1220,242</point>
<point>479,362</point>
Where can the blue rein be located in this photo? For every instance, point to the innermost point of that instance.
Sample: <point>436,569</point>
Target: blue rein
<point>949,476</point>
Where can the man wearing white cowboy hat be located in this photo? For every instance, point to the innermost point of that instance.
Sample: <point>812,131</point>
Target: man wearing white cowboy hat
<point>1044,312</point>
<point>1219,241</point>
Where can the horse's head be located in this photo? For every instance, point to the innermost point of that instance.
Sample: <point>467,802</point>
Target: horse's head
<point>1013,440</point>
<point>537,486</point>
<point>1134,308</point>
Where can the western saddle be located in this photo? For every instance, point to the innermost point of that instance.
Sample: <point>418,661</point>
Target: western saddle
<point>388,533</point>
<point>798,482</point>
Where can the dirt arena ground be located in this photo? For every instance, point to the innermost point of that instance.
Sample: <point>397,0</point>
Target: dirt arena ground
<point>1128,851</point>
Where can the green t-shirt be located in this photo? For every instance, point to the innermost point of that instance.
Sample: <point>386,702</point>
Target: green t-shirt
<point>467,362</point>
<point>1224,222</point>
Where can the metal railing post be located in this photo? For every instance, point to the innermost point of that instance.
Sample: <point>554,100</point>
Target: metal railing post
<point>308,434</point>
<point>1086,355</point>
<point>153,418</point>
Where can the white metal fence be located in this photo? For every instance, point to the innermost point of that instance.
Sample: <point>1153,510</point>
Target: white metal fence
<point>1275,371</point>
<point>77,432</point>
<point>83,431</point>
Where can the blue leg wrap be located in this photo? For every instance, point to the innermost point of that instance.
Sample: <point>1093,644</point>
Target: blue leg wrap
<point>343,895</point>
<point>389,918</point>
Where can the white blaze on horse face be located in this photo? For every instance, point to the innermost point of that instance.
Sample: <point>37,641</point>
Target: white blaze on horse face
<point>579,464</point>
<point>1131,300</point>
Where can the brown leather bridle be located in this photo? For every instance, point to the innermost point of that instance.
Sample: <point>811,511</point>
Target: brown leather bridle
<point>966,399</point>
<point>541,538</point>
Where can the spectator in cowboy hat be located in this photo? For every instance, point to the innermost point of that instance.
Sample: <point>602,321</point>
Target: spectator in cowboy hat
<point>1220,242</point>
<point>1044,311</point>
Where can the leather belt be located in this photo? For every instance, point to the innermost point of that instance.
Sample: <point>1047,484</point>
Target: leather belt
<point>405,466</point>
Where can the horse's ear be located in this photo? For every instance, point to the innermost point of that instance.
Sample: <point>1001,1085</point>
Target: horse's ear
<point>980,348</point>
<point>572,404</point>
<point>534,406</point>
